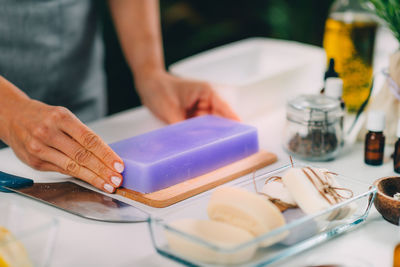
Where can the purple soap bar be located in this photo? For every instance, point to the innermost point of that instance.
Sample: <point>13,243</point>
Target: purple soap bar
<point>181,151</point>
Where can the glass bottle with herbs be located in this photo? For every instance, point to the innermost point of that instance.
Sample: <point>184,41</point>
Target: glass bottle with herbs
<point>349,39</point>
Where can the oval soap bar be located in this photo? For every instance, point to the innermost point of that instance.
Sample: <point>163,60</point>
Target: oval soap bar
<point>246,210</point>
<point>223,235</point>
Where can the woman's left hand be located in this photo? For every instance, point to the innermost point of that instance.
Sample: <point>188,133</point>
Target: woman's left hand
<point>174,99</point>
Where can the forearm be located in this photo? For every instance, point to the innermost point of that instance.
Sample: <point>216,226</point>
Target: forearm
<point>10,99</point>
<point>138,26</point>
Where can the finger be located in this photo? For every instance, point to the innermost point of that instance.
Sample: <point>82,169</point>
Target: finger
<point>89,140</point>
<point>201,113</point>
<point>199,101</point>
<point>173,116</point>
<point>220,107</point>
<point>41,165</point>
<point>192,111</point>
<point>68,166</point>
<point>199,97</point>
<point>84,157</point>
<point>48,166</point>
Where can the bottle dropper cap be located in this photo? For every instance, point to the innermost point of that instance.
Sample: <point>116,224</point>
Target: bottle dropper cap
<point>398,129</point>
<point>331,70</point>
<point>376,121</point>
<point>334,87</point>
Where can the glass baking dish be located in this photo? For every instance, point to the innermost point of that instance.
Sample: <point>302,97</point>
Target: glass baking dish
<point>34,230</point>
<point>197,209</point>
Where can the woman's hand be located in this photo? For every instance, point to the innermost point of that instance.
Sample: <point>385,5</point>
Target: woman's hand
<point>170,98</point>
<point>173,99</point>
<point>50,138</point>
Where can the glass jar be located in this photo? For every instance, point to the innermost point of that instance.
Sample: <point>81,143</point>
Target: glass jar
<point>314,127</point>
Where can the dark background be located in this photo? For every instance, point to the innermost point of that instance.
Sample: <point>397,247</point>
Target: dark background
<point>193,26</point>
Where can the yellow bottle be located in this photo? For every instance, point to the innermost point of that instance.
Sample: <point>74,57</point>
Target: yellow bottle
<point>349,39</point>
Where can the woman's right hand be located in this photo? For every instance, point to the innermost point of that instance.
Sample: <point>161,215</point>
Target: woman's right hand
<point>51,138</point>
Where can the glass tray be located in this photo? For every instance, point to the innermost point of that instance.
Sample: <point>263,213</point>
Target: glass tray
<point>197,209</point>
<point>34,230</point>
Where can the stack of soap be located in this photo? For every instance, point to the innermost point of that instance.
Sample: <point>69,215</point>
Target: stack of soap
<point>246,210</point>
<point>178,152</point>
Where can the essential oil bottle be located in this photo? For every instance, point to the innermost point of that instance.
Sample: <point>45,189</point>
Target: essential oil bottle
<point>375,140</point>
<point>396,155</point>
<point>334,88</point>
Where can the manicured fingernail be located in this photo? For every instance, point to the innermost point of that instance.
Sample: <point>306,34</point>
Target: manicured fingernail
<point>118,167</point>
<point>109,188</point>
<point>116,180</point>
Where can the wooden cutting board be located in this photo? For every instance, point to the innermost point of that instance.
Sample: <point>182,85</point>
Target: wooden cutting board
<point>194,186</point>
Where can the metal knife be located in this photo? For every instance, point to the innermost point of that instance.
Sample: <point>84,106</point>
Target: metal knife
<point>74,199</point>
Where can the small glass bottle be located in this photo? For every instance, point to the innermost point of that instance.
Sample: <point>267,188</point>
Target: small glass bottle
<point>396,156</point>
<point>334,88</point>
<point>375,140</point>
<point>396,256</point>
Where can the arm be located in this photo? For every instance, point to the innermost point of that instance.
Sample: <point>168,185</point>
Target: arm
<point>170,98</point>
<point>50,138</point>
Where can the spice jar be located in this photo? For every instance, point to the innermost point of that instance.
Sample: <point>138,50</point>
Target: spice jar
<point>313,129</point>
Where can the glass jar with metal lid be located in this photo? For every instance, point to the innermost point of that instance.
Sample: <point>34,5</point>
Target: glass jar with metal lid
<point>314,127</point>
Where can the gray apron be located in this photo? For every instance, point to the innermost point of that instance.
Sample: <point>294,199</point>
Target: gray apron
<point>53,51</point>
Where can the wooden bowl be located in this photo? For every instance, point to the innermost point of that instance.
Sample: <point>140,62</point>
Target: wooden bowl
<point>384,201</point>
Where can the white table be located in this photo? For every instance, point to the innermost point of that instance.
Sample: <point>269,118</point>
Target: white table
<point>85,243</point>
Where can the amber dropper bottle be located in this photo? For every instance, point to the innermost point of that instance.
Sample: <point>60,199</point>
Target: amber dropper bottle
<point>396,256</point>
<point>396,155</point>
<point>375,140</point>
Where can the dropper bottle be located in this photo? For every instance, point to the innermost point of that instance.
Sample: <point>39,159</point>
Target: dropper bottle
<point>396,156</point>
<point>375,140</point>
<point>330,73</point>
<point>334,89</point>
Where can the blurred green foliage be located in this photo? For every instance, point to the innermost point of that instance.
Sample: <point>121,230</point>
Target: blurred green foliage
<point>192,26</point>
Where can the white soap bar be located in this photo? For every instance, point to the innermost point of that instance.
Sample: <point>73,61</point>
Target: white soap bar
<point>220,234</point>
<point>315,190</point>
<point>276,189</point>
<point>246,210</point>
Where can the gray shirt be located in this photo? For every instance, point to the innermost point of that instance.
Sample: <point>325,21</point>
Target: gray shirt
<point>53,51</point>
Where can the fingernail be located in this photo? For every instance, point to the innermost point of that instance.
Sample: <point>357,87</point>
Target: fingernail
<point>116,180</point>
<point>118,167</point>
<point>109,188</point>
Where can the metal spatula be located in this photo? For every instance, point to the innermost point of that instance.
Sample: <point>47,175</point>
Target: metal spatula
<point>74,198</point>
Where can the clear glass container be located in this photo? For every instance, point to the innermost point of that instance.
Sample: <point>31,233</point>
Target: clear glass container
<point>349,40</point>
<point>314,127</point>
<point>33,234</point>
<point>326,229</point>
